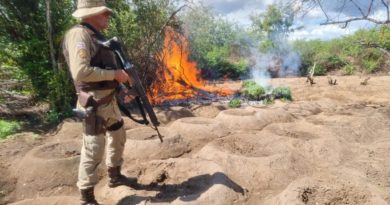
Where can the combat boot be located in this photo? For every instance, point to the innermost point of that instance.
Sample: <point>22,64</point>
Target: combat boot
<point>88,197</point>
<point>116,178</point>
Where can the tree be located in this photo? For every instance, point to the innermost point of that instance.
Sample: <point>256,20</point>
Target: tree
<point>31,42</point>
<point>141,26</point>
<point>272,29</point>
<point>217,45</point>
<point>50,34</point>
<point>272,26</point>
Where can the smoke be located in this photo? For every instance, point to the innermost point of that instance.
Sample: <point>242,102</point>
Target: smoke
<point>280,61</point>
<point>291,64</point>
<point>276,57</point>
<point>259,71</point>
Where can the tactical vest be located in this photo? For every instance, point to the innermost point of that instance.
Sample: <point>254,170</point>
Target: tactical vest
<point>104,58</point>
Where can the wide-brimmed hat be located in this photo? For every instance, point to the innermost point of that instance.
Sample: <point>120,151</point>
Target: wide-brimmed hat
<point>87,8</point>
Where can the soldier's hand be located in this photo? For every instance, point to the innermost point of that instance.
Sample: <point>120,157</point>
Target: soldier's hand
<point>121,76</point>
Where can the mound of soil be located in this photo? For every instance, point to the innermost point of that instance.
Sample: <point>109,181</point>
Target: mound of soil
<point>331,145</point>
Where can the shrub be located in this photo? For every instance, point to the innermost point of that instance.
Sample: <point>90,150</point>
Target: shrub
<point>328,62</point>
<point>282,93</point>
<point>372,60</point>
<point>348,69</point>
<point>360,50</point>
<point>252,90</point>
<point>8,128</point>
<point>217,60</point>
<point>371,65</point>
<point>235,103</point>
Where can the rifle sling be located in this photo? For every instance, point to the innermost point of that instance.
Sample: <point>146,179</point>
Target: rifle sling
<point>124,110</point>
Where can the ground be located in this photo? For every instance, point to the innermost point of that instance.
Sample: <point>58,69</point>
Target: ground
<point>329,146</point>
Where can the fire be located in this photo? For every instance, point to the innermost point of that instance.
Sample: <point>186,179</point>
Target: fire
<point>179,78</point>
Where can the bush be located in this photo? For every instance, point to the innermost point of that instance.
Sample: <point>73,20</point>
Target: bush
<point>371,66</point>
<point>348,69</point>
<point>217,45</point>
<point>62,97</point>
<point>252,90</point>
<point>282,93</point>
<point>372,60</point>
<point>360,50</point>
<point>235,103</point>
<point>327,62</point>
<point>217,60</point>
<point>8,128</point>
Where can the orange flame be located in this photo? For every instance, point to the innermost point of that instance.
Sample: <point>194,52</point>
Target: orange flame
<point>179,78</point>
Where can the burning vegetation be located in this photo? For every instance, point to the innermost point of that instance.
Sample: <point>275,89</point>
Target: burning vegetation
<point>179,78</point>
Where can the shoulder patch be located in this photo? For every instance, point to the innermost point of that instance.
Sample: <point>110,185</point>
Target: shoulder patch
<point>82,53</point>
<point>80,45</point>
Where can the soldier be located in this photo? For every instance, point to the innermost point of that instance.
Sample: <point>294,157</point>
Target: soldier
<point>96,76</point>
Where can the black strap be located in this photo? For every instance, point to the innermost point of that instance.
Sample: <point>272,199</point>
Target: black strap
<point>100,85</point>
<point>98,35</point>
<point>124,110</point>
<point>115,126</point>
<point>141,109</point>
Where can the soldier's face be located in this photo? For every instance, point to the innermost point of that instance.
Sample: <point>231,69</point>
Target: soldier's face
<point>102,20</point>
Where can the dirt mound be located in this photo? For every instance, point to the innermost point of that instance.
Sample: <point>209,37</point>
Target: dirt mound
<point>209,111</point>
<point>178,181</point>
<point>268,164</point>
<point>198,130</point>
<point>331,145</point>
<point>49,169</point>
<point>68,200</point>
<point>241,119</point>
<point>143,144</point>
<point>327,190</point>
<point>170,114</point>
<point>69,129</point>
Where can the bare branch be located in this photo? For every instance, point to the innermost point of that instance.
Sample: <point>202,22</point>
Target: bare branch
<point>365,15</point>
<point>346,22</point>
<point>358,7</point>
<point>387,7</point>
<point>322,8</point>
<point>370,7</point>
<point>166,23</point>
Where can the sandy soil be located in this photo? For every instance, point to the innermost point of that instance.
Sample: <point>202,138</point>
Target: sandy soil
<point>329,146</point>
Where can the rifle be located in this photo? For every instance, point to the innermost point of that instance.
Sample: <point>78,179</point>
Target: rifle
<point>141,98</point>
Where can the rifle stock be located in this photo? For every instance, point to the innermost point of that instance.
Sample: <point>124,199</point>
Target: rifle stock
<point>116,46</point>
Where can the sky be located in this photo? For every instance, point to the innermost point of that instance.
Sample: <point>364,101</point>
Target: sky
<point>239,11</point>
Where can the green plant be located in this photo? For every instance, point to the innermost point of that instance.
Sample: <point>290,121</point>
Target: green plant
<point>54,117</point>
<point>360,50</point>
<point>3,193</point>
<point>282,93</point>
<point>252,90</point>
<point>217,45</point>
<point>372,60</point>
<point>371,65</point>
<point>8,128</point>
<point>348,69</point>
<point>235,103</point>
<point>327,62</point>
<point>269,101</point>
